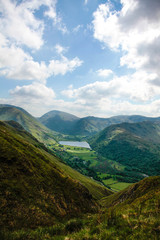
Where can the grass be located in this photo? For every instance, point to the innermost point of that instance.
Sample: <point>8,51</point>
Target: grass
<point>85,154</point>
<point>35,183</point>
<point>115,185</point>
<point>98,163</point>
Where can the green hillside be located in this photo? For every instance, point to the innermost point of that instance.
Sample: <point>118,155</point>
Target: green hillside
<point>66,123</point>
<point>133,145</point>
<point>36,188</point>
<point>133,213</point>
<point>30,124</point>
<point>59,121</point>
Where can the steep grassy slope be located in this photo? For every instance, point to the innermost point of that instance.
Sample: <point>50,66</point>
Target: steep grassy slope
<point>36,189</point>
<point>131,214</point>
<point>30,124</point>
<point>137,193</point>
<point>134,145</point>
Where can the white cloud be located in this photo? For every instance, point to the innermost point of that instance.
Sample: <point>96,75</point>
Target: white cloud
<point>12,56</point>
<point>135,88</point>
<point>130,94</point>
<point>63,66</point>
<point>60,49</point>
<point>33,91</point>
<point>35,98</point>
<point>134,30</point>
<point>19,26</point>
<point>20,66</point>
<point>104,72</point>
<point>15,63</point>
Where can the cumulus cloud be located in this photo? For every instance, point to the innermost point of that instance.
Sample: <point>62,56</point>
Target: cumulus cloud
<point>64,65</point>
<point>16,64</point>
<point>35,90</point>
<point>113,97</point>
<point>104,72</point>
<point>19,24</point>
<point>20,27</point>
<point>18,21</point>
<point>134,30</point>
<point>35,98</point>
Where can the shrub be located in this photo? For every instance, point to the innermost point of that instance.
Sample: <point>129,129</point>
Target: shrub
<point>74,225</point>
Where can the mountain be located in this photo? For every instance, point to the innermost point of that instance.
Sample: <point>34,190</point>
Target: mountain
<point>30,124</point>
<point>59,121</point>
<point>134,145</point>
<point>66,123</point>
<point>36,188</point>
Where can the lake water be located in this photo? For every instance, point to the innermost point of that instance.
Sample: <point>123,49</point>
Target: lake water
<point>75,144</point>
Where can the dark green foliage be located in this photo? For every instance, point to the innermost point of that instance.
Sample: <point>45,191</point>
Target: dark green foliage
<point>134,145</point>
<point>77,163</point>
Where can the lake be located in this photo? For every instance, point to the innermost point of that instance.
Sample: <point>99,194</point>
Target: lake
<point>75,144</point>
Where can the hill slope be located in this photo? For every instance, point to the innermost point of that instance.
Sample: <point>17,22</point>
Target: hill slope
<point>134,145</point>
<point>66,123</point>
<point>59,121</point>
<point>36,189</point>
<point>133,213</point>
<point>30,124</point>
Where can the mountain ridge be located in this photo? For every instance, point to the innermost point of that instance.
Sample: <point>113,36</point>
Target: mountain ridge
<point>29,123</point>
<point>86,126</point>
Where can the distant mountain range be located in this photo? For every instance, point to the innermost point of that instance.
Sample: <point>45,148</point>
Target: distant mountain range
<point>66,123</point>
<point>50,124</point>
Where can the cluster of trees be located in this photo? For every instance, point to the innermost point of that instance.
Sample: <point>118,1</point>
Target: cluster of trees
<point>78,164</point>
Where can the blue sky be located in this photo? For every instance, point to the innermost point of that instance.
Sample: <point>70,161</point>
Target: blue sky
<point>85,57</point>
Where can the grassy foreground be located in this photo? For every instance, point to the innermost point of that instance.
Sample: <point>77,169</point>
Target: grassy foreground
<point>133,213</point>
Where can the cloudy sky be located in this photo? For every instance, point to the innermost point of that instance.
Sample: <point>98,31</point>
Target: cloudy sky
<point>85,57</point>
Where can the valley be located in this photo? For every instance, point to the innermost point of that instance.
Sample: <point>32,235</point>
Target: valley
<point>97,185</point>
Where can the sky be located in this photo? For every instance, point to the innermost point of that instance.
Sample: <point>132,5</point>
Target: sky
<point>85,57</point>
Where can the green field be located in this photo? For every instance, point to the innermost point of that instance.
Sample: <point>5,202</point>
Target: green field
<point>85,154</point>
<point>115,185</point>
<point>83,158</point>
